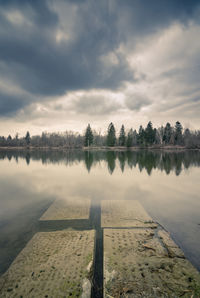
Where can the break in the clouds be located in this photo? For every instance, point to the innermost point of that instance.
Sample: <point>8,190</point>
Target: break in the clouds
<point>66,63</point>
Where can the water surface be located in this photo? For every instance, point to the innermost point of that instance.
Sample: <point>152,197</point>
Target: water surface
<point>166,184</point>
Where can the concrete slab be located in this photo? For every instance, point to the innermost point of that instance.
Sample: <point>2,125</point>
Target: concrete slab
<point>124,213</point>
<point>170,245</point>
<point>137,264</point>
<point>68,209</point>
<point>53,264</point>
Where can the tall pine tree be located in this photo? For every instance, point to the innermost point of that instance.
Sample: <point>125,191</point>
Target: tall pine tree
<point>150,134</point>
<point>122,136</point>
<point>167,133</point>
<point>88,138</point>
<point>178,133</point>
<point>129,141</point>
<point>111,136</point>
<point>28,138</point>
<point>141,136</point>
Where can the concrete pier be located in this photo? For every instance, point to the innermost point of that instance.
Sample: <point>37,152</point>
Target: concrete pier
<point>53,264</point>
<point>140,260</point>
<point>127,254</point>
<point>75,208</point>
<point>121,213</point>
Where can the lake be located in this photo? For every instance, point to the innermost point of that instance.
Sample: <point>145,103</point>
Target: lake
<point>165,183</point>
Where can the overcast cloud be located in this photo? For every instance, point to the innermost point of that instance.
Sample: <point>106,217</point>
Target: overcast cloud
<point>66,63</point>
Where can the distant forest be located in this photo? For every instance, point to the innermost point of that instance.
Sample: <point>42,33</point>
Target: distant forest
<point>163,136</point>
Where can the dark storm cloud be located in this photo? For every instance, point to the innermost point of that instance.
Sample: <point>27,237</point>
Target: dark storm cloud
<point>38,64</point>
<point>9,104</point>
<point>43,66</point>
<point>144,17</point>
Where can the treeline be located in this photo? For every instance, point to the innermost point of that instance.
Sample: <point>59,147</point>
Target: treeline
<point>149,136</point>
<point>165,136</point>
<point>66,139</point>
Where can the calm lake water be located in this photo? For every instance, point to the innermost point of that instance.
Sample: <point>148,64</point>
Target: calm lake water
<point>166,183</point>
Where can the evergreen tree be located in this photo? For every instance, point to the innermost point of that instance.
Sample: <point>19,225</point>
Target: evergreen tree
<point>187,138</point>
<point>27,138</point>
<point>167,133</point>
<point>150,134</point>
<point>178,133</point>
<point>156,136</point>
<point>135,136</point>
<point>141,136</point>
<point>111,136</point>
<point>9,140</point>
<point>122,136</point>
<point>88,138</point>
<point>129,141</point>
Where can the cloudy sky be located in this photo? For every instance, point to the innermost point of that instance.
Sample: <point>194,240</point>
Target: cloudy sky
<point>64,64</point>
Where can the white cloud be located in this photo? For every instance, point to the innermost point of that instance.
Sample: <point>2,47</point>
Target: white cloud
<point>170,63</point>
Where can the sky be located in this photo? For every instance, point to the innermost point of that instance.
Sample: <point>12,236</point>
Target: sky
<point>67,63</point>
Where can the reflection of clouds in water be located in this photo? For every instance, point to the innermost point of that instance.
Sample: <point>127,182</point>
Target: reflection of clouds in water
<point>48,176</point>
<point>172,200</point>
<point>135,192</point>
<point>16,195</point>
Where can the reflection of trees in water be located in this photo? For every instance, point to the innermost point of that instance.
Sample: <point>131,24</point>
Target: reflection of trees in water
<point>28,157</point>
<point>88,160</point>
<point>122,159</point>
<point>110,158</point>
<point>145,160</point>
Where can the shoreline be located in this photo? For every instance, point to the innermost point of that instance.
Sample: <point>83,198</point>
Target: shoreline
<point>102,148</point>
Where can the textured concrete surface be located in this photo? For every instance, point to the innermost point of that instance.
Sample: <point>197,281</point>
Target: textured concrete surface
<point>68,209</point>
<point>124,213</point>
<point>53,264</point>
<point>139,263</point>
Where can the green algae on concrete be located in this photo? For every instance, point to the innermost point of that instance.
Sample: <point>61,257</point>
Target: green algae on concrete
<point>124,213</point>
<point>53,264</point>
<point>75,208</point>
<point>137,264</point>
